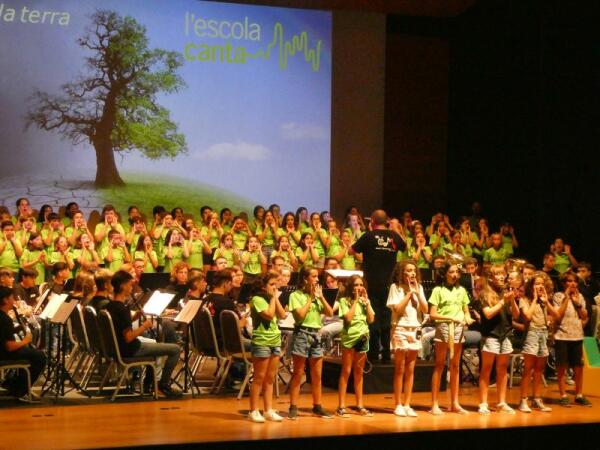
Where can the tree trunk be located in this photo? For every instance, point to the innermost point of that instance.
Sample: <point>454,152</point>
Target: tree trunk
<point>106,170</point>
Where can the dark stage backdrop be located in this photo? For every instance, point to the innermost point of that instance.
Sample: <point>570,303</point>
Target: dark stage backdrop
<point>519,119</point>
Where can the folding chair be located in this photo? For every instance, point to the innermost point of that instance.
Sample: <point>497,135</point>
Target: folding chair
<point>233,346</point>
<point>109,337</point>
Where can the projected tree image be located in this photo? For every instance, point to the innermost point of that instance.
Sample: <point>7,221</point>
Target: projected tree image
<point>113,105</point>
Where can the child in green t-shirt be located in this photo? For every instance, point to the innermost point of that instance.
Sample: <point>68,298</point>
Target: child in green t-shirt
<point>357,313</point>
<point>265,309</point>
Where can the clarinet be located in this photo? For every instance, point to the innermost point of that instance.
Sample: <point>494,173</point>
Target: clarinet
<point>23,329</point>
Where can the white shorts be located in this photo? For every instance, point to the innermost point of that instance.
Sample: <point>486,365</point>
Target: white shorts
<point>405,338</point>
<point>496,346</point>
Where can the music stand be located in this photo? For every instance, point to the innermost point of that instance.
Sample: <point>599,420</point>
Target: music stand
<point>185,316</point>
<point>154,281</point>
<point>286,291</point>
<point>57,312</point>
<point>330,295</point>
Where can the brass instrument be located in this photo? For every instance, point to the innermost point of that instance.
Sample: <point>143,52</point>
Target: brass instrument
<point>455,258</point>
<point>514,264</point>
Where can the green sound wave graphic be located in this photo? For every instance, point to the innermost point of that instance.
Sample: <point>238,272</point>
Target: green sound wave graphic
<point>287,49</point>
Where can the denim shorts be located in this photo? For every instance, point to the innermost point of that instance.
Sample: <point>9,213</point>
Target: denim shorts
<point>442,331</point>
<point>262,351</point>
<point>536,342</point>
<point>491,344</point>
<point>307,343</point>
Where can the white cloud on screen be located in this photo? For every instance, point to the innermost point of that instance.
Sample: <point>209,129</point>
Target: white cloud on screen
<point>295,131</point>
<point>234,151</point>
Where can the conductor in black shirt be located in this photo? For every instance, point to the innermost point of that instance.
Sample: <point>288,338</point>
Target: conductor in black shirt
<point>11,349</point>
<point>130,341</point>
<point>379,247</point>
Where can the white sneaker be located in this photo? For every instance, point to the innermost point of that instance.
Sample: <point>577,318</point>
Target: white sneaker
<point>400,411</point>
<point>410,412</point>
<point>539,403</point>
<point>524,406</point>
<point>256,416</point>
<point>504,408</point>
<point>483,409</point>
<point>273,416</point>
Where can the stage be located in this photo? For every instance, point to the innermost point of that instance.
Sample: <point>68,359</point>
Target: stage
<point>219,422</point>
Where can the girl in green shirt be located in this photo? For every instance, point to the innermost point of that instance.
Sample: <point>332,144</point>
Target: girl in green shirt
<point>265,309</point>
<point>228,251</point>
<point>175,250</point>
<point>284,250</point>
<point>253,261</point>
<point>306,253</point>
<point>197,248</point>
<point>34,257</point>
<point>356,311</point>
<point>448,303</point>
<point>306,305</point>
<point>290,229</point>
<point>145,251</point>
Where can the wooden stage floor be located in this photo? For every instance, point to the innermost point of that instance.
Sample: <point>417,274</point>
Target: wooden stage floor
<point>213,420</point>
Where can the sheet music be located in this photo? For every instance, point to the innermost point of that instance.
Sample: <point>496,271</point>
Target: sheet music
<point>53,304</point>
<point>340,273</point>
<point>189,311</point>
<point>64,311</point>
<point>157,303</point>
<point>41,300</point>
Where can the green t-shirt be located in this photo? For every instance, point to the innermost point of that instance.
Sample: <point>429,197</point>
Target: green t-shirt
<point>335,246</point>
<point>284,255</point>
<point>239,239</point>
<point>439,251</point>
<point>8,258</point>
<point>226,253</point>
<point>348,262</point>
<point>307,263</point>
<point>31,255</point>
<point>44,233</point>
<point>269,240</point>
<point>422,262</point>
<point>358,327</point>
<point>76,253</point>
<point>103,245</point>
<point>141,254</point>
<point>318,237</point>
<point>253,266</point>
<point>118,259</point>
<point>450,302</point>
<point>494,256</point>
<point>211,235</point>
<point>177,252</point>
<point>313,317</point>
<point>507,244</point>
<point>196,258</point>
<point>562,262</point>
<point>265,332</point>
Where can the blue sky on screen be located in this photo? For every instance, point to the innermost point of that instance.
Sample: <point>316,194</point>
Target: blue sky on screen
<point>253,128</point>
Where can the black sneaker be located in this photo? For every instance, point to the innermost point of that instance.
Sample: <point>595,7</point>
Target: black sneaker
<point>564,401</point>
<point>582,401</point>
<point>293,412</point>
<point>168,391</point>
<point>320,412</point>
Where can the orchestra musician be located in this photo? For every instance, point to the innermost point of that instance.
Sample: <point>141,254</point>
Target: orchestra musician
<point>12,349</point>
<point>131,342</point>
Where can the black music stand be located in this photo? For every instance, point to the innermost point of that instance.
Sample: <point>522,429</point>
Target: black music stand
<point>61,374</point>
<point>185,316</point>
<point>154,281</point>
